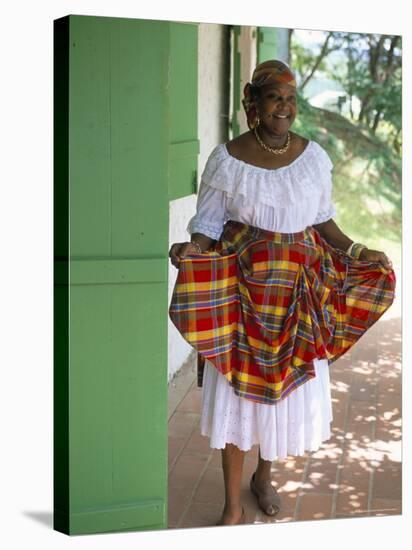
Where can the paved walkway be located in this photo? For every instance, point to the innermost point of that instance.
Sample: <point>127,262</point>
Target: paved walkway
<point>355,473</point>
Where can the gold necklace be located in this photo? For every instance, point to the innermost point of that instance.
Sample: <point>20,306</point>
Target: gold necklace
<point>274,151</point>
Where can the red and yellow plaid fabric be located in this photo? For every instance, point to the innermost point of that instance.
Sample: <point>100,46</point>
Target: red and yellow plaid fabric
<point>262,305</point>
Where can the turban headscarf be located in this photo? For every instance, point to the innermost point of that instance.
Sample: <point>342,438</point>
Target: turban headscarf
<point>268,72</point>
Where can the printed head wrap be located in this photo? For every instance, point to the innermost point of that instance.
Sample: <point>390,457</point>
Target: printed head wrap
<point>268,72</point>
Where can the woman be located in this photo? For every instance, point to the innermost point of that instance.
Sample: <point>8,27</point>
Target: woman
<point>265,199</point>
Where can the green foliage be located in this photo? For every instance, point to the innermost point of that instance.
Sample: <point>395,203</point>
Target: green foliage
<point>364,147</point>
<point>303,60</point>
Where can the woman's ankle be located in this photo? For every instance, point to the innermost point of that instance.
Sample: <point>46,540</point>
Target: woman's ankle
<point>262,476</point>
<point>232,509</point>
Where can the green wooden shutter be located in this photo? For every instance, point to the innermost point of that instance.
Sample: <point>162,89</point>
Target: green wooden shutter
<point>184,143</point>
<point>114,162</point>
<point>236,91</point>
<point>273,43</point>
<point>267,43</point>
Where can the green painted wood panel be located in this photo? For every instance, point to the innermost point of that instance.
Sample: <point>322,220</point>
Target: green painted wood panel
<point>61,480</point>
<point>114,133</point>
<point>267,43</point>
<point>183,139</point>
<point>236,87</point>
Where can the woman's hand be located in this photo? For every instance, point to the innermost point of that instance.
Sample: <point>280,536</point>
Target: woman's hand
<point>368,255</point>
<point>179,250</point>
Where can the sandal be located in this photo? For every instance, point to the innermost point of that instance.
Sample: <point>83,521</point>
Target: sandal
<point>266,501</point>
<point>240,522</point>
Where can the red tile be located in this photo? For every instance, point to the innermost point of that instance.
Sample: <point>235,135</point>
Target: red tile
<point>314,506</point>
<point>390,383</point>
<point>211,487</point>
<point>339,411</point>
<point>387,482</point>
<point>365,349</point>
<point>198,443</point>
<point>353,514</point>
<point>192,401</point>
<point>329,449</point>
<point>361,419</point>
<point>201,514</point>
<point>182,423</point>
<point>341,377</point>
<point>354,482</point>
<point>351,501</point>
<point>216,460</point>
<point>386,507</point>
<point>187,471</point>
<point>321,476</point>
<point>178,500</point>
<point>388,436</point>
<point>175,447</point>
<point>363,387</point>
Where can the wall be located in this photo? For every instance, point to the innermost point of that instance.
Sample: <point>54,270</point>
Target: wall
<point>247,46</point>
<point>213,106</point>
<point>282,52</point>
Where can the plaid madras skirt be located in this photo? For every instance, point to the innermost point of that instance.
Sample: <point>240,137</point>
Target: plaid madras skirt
<point>262,305</point>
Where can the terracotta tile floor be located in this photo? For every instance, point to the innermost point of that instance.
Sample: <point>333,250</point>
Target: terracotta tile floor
<point>355,473</point>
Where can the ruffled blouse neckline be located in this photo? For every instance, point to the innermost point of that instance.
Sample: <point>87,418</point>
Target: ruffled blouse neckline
<point>269,170</point>
<point>283,186</point>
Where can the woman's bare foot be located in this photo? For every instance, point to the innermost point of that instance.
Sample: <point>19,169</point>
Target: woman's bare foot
<point>232,517</point>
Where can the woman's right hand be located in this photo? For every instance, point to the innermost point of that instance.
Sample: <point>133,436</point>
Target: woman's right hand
<point>179,250</point>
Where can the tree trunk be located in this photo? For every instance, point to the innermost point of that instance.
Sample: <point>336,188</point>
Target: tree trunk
<point>376,121</point>
<point>323,53</point>
<point>374,53</point>
<point>289,45</point>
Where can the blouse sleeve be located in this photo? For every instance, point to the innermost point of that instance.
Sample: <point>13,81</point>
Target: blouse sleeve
<point>326,209</point>
<point>210,214</point>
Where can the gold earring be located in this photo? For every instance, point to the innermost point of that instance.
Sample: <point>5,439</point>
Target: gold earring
<point>256,122</point>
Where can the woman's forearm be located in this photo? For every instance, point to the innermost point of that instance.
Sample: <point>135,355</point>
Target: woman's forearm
<point>204,241</point>
<point>333,235</point>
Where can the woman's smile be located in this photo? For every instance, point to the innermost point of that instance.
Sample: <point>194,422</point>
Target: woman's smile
<point>278,120</point>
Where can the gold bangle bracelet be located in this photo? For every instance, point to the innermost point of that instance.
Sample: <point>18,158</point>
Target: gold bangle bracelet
<point>355,250</point>
<point>198,246</point>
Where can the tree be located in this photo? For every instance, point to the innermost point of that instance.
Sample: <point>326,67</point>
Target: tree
<point>364,144</point>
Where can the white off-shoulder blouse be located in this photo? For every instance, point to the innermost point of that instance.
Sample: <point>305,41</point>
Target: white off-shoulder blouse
<point>287,200</point>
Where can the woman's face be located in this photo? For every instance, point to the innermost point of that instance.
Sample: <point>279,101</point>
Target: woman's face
<point>277,108</point>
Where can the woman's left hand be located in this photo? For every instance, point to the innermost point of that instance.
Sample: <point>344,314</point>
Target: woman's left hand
<point>368,255</point>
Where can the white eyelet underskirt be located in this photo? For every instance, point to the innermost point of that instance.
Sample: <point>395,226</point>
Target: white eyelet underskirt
<point>298,423</point>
